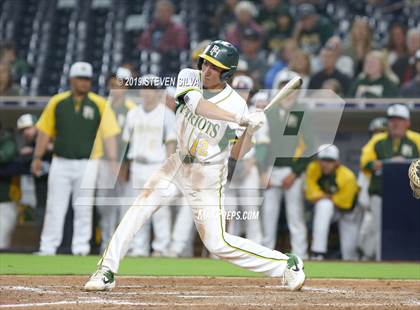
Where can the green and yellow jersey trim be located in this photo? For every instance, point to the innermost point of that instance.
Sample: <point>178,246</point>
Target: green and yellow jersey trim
<point>46,122</point>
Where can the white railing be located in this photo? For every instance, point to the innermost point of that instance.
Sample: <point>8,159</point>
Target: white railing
<point>10,102</point>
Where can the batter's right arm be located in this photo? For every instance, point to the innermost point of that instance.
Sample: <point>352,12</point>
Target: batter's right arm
<point>207,109</point>
<point>210,110</point>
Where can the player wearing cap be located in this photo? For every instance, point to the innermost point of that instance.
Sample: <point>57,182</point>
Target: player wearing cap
<point>396,144</point>
<point>377,125</point>
<point>78,121</point>
<point>26,126</point>
<point>285,179</point>
<point>332,189</point>
<point>210,121</point>
<point>109,185</point>
<point>150,134</point>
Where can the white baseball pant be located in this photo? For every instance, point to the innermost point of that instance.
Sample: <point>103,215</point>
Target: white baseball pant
<point>160,221</point>
<point>243,195</point>
<point>348,225</point>
<point>183,233</point>
<point>109,197</point>
<point>371,230</point>
<point>8,219</point>
<point>294,212</point>
<point>75,178</point>
<point>203,186</point>
<point>363,197</point>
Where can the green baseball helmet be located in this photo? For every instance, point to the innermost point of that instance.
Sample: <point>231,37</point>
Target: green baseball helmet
<point>223,55</point>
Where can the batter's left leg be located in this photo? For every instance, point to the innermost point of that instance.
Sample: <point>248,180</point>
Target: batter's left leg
<point>210,223</point>
<point>155,194</point>
<point>241,251</point>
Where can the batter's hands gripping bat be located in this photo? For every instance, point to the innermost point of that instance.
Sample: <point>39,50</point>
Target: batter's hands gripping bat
<point>292,85</point>
<point>255,120</point>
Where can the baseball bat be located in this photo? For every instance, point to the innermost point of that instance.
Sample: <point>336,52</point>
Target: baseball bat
<point>292,85</point>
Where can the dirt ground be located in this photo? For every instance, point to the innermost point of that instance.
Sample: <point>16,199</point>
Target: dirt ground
<point>65,292</point>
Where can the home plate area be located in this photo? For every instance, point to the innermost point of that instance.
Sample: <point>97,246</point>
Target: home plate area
<point>65,292</point>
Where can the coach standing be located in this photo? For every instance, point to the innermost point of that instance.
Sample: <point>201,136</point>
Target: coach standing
<point>396,144</point>
<point>80,125</point>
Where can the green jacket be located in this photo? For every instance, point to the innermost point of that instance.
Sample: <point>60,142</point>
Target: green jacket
<point>382,147</point>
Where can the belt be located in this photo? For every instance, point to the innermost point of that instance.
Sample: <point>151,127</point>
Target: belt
<point>145,161</point>
<point>189,159</point>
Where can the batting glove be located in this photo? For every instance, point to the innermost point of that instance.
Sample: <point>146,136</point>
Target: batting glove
<point>254,121</point>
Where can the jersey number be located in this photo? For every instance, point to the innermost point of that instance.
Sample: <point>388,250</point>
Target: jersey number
<point>199,147</point>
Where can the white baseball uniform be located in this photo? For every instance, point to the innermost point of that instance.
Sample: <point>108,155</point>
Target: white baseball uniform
<point>201,176</point>
<point>147,133</point>
<point>8,219</point>
<point>367,235</point>
<point>271,208</point>
<point>326,213</point>
<point>341,206</point>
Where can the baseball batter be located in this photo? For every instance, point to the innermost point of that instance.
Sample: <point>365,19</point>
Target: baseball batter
<point>209,115</point>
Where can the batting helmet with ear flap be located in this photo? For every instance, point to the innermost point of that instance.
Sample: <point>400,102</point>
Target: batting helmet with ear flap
<point>223,55</point>
<point>414,176</point>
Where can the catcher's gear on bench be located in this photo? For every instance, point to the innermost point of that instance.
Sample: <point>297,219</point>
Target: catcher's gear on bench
<point>414,176</point>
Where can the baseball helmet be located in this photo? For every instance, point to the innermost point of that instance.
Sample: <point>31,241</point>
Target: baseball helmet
<point>223,55</point>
